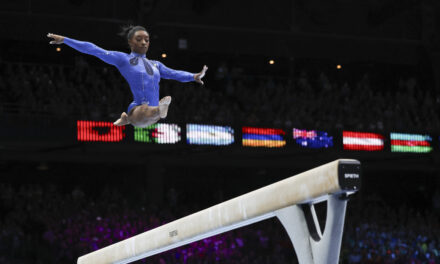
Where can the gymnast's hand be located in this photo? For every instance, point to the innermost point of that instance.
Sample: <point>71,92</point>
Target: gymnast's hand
<point>198,76</point>
<point>57,39</point>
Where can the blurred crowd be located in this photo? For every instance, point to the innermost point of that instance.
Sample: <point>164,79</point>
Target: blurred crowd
<point>42,224</point>
<point>382,234</point>
<point>307,99</point>
<point>47,223</point>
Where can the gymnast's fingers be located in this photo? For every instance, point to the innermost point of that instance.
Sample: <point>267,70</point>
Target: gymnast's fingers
<point>50,35</point>
<point>57,39</point>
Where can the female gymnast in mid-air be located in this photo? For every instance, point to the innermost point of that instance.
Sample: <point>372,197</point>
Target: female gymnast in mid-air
<point>143,75</point>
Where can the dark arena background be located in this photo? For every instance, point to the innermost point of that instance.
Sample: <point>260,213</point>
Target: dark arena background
<point>291,85</point>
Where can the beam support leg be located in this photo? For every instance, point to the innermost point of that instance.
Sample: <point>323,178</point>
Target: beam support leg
<point>302,226</point>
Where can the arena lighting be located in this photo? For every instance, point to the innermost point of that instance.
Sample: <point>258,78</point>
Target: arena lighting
<point>338,66</point>
<point>290,200</point>
<point>58,49</point>
<point>271,62</point>
<point>99,131</point>
<point>164,55</point>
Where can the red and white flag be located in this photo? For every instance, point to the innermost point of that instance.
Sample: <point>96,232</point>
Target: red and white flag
<point>362,141</point>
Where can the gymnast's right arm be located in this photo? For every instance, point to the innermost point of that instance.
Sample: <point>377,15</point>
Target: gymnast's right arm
<point>111,57</point>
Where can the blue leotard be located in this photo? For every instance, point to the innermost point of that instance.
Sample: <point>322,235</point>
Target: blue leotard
<point>143,85</point>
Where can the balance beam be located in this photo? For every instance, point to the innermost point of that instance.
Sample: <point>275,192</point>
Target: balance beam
<point>336,179</point>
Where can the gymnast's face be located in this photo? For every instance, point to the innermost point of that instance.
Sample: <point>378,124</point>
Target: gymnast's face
<point>140,42</point>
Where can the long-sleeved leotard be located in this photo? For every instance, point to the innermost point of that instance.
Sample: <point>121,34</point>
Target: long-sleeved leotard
<point>142,75</point>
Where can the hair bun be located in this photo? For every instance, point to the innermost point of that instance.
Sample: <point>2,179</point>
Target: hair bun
<point>124,30</point>
<point>129,30</point>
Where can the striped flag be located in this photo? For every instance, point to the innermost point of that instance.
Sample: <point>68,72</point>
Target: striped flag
<point>209,135</point>
<point>312,138</point>
<point>362,141</point>
<point>158,133</point>
<point>410,143</point>
<point>263,137</point>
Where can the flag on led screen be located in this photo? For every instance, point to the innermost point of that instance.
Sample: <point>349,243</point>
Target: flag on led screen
<point>158,133</point>
<point>263,137</point>
<point>99,131</point>
<point>312,138</point>
<point>362,141</point>
<point>410,143</point>
<point>209,135</point>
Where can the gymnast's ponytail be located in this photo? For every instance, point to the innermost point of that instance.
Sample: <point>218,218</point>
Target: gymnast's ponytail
<point>128,31</point>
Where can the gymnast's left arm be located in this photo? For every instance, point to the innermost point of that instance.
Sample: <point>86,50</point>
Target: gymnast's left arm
<point>181,76</point>
<point>111,57</point>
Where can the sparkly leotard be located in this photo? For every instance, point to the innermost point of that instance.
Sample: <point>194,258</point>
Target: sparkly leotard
<point>142,75</point>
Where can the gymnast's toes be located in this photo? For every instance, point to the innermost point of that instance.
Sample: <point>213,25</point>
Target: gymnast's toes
<point>122,121</point>
<point>165,101</point>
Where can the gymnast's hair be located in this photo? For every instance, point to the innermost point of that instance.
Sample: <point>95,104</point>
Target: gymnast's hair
<point>128,31</point>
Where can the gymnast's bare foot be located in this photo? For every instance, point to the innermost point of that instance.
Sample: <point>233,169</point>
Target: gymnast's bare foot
<point>164,103</point>
<point>122,121</point>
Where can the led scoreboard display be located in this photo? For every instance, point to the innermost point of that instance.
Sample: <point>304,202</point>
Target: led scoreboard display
<point>99,131</point>
<point>312,138</point>
<point>158,133</point>
<point>263,137</point>
<point>209,135</point>
<point>410,143</point>
<point>214,135</point>
<point>362,141</point>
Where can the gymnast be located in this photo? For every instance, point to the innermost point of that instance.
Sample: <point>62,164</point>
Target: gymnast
<point>143,75</point>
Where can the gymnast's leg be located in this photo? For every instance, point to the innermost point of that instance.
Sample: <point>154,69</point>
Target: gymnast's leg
<point>164,103</point>
<point>122,121</point>
<point>144,115</point>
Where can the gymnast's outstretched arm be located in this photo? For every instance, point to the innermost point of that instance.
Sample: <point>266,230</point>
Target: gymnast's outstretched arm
<point>181,76</point>
<point>115,58</point>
